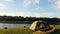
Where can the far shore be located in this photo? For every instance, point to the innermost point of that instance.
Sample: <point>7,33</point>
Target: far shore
<point>17,22</point>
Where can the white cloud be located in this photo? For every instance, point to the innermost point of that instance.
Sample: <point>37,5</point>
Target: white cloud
<point>3,7</point>
<point>56,4</point>
<point>8,0</point>
<point>16,13</point>
<point>26,3</point>
<point>50,15</point>
<point>38,8</point>
<point>36,1</point>
<point>30,2</point>
<point>21,14</point>
<point>51,0</point>
<point>31,14</point>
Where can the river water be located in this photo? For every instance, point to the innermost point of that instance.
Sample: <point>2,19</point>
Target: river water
<point>3,25</point>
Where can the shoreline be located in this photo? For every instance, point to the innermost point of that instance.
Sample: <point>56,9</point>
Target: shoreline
<point>17,22</point>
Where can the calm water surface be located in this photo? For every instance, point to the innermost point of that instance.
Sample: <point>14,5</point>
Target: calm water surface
<point>3,25</point>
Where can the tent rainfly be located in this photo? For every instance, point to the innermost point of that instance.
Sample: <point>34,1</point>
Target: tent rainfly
<point>36,24</point>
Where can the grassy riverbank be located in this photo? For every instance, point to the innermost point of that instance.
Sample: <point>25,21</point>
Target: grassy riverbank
<point>16,31</point>
<point>24,31</point>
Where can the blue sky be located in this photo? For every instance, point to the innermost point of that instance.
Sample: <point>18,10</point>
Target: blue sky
<point>34,8</point>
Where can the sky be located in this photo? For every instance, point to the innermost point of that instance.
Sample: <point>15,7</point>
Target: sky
<point>34,8</point>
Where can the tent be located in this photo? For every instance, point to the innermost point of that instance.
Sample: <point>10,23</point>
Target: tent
<point>34,26</point>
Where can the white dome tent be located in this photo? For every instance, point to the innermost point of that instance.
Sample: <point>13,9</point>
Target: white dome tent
<point>35,25</point>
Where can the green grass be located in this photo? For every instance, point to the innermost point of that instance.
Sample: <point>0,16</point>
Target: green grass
<point>16,31</point>
<point>24,31</point>
<point>57,30</point>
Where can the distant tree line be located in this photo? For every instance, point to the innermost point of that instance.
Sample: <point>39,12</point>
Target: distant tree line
<point>28,20</point>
